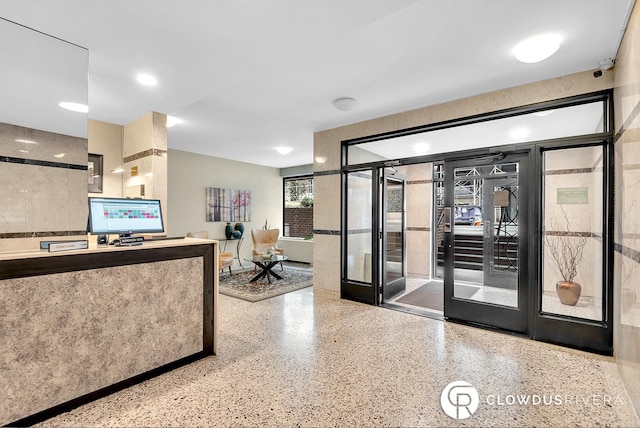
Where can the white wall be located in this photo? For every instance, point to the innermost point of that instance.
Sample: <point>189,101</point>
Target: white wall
<point>190,173</point>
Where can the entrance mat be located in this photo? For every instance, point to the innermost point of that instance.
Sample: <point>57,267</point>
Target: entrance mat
<point>431,295</point>
<point>238,285</point>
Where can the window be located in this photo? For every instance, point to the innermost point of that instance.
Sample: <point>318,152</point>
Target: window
<point>298,206</point>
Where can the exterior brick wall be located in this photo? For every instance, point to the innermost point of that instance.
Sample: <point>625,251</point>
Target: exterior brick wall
<point>300,221</point>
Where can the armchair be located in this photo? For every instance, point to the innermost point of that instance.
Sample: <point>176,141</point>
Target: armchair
<point>226,259</point>
<point>263,240</point>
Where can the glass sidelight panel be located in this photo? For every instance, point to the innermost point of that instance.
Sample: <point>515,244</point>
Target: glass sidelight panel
<point>359,226</point>
<point>572,269</point>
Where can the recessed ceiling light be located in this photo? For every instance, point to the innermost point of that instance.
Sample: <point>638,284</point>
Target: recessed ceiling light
<point>77,107</point>
<point>537,48</point>
<point>146,79</point>
<point>283,150</point>
<point>173,121</point>
<point>19,140</point>
<point>519,133</point>
<point>345,104</point>
<point>59,155</point>
<point>321,159</point>
<point>421,147</point>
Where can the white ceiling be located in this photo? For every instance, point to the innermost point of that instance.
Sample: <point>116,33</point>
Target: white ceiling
<point>247,76</point>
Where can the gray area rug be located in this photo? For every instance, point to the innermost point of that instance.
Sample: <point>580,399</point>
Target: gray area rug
<point>238,285</point>
<point>431,295</point>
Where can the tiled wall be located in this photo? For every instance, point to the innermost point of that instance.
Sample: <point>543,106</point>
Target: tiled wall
<point>327,151</point>
<point>627,208</point>
<point>145,148</point>
<point>418,206</point>
<point>43,186</point>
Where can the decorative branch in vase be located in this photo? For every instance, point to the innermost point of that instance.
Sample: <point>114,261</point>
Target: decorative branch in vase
<point>566,249</point>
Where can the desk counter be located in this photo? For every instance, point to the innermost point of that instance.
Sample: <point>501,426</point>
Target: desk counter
<point>77,325</point>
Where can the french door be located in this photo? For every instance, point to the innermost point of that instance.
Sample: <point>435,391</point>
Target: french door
<point>374,235</point>
<point>485,241</point>
<point>392,234</point>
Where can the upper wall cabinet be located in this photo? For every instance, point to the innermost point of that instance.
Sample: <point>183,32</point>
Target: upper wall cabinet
<point>38,72</point>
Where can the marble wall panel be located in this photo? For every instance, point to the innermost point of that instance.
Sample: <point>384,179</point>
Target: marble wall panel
<point>326,153</point>
<point>49,194</point>
<point>65,335</point>
<point>627,213</point>
<point>326,193</point>
<point>27,143</point>
<point>326,262</point>
<point>418,253</point>
<point>419,205</point>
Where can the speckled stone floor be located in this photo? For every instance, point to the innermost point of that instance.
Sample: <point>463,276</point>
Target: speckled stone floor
<point>305,359</point>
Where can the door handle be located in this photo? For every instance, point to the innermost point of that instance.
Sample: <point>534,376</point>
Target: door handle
<point>447,219</point>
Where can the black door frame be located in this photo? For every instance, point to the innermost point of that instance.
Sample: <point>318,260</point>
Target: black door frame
<point>590,336</point>
<point>579,333</point>
<point>390,289</point>
<point>515,319</point>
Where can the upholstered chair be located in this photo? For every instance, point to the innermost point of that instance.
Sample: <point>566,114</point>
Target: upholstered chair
<point>226,259</point>
<point>264,240</point>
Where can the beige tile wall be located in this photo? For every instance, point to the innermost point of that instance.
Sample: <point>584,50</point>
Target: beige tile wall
<point>627,208</point>
<point>46,197</point>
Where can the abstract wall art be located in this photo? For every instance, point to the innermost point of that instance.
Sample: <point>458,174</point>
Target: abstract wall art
<point>228,204</point>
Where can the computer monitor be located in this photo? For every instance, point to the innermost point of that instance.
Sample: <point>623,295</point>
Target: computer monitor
<point>124,216</point>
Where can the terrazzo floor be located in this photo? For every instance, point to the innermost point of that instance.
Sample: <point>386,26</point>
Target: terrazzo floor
<point>305,359</point>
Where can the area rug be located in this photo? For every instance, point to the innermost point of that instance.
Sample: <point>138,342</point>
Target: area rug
<point>431,295</point>
<point>238,285</point>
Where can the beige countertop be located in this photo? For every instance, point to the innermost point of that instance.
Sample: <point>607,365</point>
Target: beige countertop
<point>94,248</point>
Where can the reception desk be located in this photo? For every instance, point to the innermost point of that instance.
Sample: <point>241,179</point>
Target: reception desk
<point>77,325</point>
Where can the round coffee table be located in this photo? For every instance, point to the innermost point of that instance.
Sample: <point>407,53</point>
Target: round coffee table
<point>266,264</point>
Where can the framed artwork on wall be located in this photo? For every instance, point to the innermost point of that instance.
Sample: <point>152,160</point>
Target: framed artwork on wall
<point>94,173</point>
<point>228,204</point>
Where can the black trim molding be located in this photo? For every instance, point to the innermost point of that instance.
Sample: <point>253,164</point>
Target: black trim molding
<point>35,162</point>
<point>42,234</point>
<point>628,252</point>
<point>330,172</point>
<point>326,232</point>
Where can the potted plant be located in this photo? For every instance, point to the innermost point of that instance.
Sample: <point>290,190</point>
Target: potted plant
<point>566,249</point>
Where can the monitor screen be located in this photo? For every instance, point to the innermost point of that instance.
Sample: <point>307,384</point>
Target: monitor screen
<point>124,216</point>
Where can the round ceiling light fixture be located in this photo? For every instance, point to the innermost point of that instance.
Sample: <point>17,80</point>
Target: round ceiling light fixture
<point>345,103</point>
<point>537,48</point>
<point>284,150</point>
<point>146,79</point>
<point>173,121</point>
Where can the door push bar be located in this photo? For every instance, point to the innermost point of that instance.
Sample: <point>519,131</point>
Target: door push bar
<point>447,219</point>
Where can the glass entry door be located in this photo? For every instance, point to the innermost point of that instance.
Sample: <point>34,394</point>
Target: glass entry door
<point>392,235</point>
<point>485,237</point>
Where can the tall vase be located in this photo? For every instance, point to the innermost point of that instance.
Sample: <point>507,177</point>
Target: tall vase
<point>240,228</point>
<point>228,230</point>
<point>568,292</point>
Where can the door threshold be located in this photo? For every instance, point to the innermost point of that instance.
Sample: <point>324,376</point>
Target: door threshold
<point>422,313</point>
<point>522,334</point>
